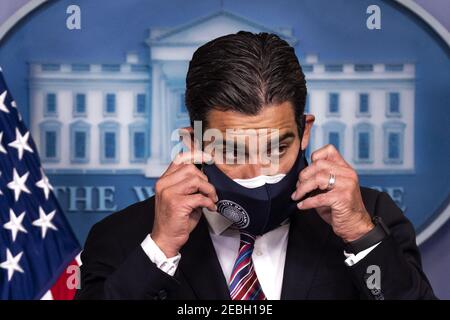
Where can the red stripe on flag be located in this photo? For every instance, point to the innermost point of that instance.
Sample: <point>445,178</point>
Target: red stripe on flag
<point>65,288</point>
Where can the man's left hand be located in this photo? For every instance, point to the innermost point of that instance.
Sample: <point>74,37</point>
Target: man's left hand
<point>340,205</point>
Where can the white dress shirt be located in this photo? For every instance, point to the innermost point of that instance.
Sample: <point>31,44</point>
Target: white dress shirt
<point>269,254</point>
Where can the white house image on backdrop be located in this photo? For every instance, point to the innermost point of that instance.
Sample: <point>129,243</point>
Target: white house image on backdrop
<point>118,118</point>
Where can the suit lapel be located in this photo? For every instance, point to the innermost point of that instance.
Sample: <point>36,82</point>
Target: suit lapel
<point>200,266</point>
<point>308,234</point>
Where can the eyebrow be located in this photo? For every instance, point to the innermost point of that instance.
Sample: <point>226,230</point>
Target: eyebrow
<point>238,146</point>
<point>285,136</point>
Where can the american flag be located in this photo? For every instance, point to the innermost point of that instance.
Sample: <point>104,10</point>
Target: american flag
<point>36,242</point>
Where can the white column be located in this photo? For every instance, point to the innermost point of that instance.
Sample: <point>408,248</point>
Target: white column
<point>155,165</point>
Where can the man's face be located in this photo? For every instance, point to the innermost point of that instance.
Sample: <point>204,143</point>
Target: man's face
<point>241,132</point>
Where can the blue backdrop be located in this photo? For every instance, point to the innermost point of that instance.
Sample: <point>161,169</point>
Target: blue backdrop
<point>335,31</point>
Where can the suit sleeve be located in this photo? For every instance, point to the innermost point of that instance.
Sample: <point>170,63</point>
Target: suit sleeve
<point>397,259</point>
<point>107,274</point>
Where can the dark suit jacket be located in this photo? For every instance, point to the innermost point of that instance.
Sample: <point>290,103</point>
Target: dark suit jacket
<point>116,267</point>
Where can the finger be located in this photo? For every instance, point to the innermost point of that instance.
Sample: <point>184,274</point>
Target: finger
<point>318,181</point>
<point>321,200</point>
<point>187,158</point>
<point>198,200</point>
<point>191,157</point>
<point>329,152</point>
<point>343,182</point>
<point>194,185</point>
<point>180,174</point>
<point>326,166</point>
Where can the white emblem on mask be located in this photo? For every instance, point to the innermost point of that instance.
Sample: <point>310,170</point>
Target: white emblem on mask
<point>234,212</point>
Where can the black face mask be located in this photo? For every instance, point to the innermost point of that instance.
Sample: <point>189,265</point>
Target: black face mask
<point>256,210</point>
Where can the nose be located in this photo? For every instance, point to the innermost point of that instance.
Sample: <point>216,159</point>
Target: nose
<point>250,171</point>
<point>253,170</point>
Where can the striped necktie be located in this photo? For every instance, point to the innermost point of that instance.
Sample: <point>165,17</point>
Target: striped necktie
<point>244,284</point>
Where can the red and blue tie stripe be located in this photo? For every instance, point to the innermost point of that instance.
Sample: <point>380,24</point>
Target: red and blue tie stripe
<point>244,284</point>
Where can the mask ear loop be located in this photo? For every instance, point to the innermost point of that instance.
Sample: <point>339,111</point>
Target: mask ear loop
<point>303,125</point>
<point>302,128</point>
<point>198,165</point>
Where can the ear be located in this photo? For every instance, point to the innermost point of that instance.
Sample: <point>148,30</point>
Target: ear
<point>309,120</point>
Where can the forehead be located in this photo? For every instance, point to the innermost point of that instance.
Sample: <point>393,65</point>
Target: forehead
<point>280,116</point>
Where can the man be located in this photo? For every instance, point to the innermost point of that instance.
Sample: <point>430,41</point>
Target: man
<point>342,241</point>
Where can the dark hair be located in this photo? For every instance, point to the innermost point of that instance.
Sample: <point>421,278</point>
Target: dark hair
<point>243,72</point>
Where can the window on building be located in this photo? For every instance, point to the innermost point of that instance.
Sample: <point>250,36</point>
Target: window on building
<point>393,104</point>
<point>50,140</point>
<point>139,68</point>
<point>334,134</point>
<point>363,104</point>
<point>110,145</point>
<point>110,107</point>
<point>138,141</point>
<point>333,105</point>
<point>393,67</point>
<point>334,67</point>
<point>393,142</point>
<point>51,67</point>
<point>333,138</point>
<point>50,105</point>
<point>50,144</point>
<point>80,104</point>
<point>363,143</point>
<point>79,142</point>
<point>363,67</point>
<point>111,67</point>
<point>109,140</point>
<point>81,67</point>
<point>139,145</point>
<point>141,103</point>
<point>393,145</point>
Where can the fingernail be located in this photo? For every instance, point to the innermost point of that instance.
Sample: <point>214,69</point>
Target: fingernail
<point>216,198</point>
<point>300,204</point>
<point>293,195</point>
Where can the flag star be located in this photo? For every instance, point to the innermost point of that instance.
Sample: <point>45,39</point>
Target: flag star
<point>21,143</point>
<point>2,102</point>
<point>2,148</point>
<point>45,221</point>
<point>12,263</point>
<point>44,184</point>
<point>18,184</point>
<point>1,193</point>
<point>15,224</point>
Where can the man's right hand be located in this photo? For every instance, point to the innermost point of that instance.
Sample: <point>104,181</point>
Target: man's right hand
<point>180,193</point>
